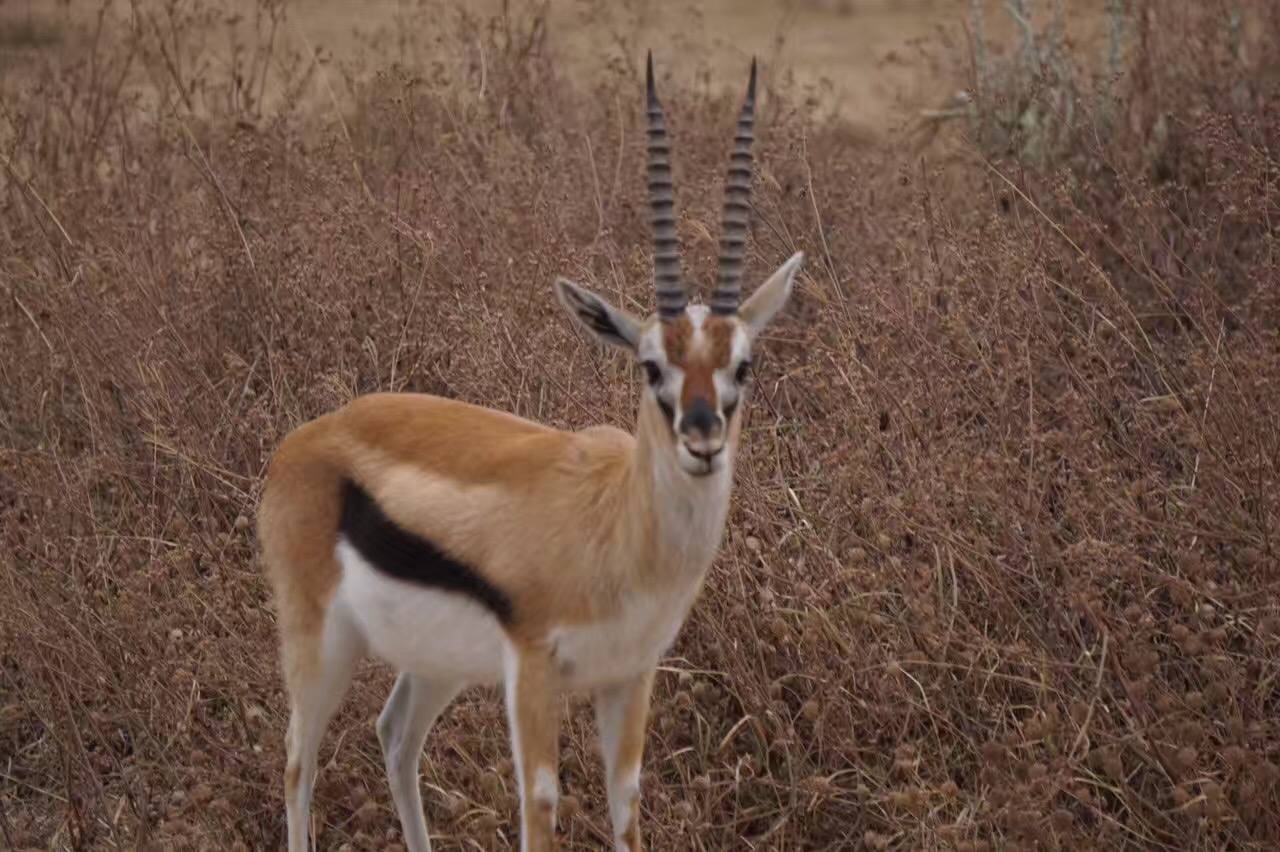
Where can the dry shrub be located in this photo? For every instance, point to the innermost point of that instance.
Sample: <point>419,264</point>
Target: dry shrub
<point>1000,570</point>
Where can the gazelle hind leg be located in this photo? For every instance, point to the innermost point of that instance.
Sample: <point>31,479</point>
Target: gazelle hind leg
<point>410,712</point>
<point>622,715</point>
<point>532,714</point>
<point>318,678</point>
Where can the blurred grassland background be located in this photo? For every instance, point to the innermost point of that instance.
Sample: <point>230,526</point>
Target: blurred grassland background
<point>1001,569</point>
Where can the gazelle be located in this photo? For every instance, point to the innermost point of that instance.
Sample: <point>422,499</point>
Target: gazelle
<point>464,545</point>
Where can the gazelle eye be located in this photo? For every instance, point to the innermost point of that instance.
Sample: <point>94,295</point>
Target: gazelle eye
<point>653,371</point>
<point>744,370</point>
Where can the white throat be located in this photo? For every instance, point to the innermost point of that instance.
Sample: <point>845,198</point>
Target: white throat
<point>690,512</point>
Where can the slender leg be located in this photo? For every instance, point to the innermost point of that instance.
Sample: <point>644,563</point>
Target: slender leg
<point>316,689</point>
<point>622,714</point>
<point>532,694</point>
<point>411,710</point>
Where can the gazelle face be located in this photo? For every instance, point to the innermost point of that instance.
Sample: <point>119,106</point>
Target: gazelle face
<point>696,358</point>
<point>697,366</point>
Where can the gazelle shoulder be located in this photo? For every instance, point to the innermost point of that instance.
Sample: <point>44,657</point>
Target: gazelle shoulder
<point>606,437</point>
<point>596,448</point>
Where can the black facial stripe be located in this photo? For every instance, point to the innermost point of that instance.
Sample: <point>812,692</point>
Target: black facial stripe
<point>407,556</point>
<point>730,407</point>
<point>668,410</point>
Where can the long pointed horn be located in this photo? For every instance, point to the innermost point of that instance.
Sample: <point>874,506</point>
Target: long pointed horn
<point>727,294</point>
<point>666,247</point>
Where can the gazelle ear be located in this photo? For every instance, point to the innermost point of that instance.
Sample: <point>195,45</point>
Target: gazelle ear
<point>764,304</point>
<point>609,324</point>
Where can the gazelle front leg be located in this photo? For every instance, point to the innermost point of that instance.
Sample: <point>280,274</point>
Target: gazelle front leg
<point>532,693</point>
<point>622,715</point>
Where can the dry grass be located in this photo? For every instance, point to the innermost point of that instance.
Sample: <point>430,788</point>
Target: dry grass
<point>1001,570</point>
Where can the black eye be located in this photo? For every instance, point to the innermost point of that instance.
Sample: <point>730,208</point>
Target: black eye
<point>653,371</point>
<point>744,370</point>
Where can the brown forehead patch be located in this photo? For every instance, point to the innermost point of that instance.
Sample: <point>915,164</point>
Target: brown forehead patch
<point>698,383</point>
<point>699,364</point>
<point>677,338</point>
<point>719,332</point>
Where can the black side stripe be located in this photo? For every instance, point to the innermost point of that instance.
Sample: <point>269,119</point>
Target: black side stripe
<point>394,550</point>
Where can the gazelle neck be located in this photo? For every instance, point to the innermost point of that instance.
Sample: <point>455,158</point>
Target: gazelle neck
<point>688,512</point>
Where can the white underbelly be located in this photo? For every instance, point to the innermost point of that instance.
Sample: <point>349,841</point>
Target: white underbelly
<point>435,634</point>
<point>448,636</point>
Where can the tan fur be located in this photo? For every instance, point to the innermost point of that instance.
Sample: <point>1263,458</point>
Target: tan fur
<point>562,522</point>
<point>298,528</point>
<point>538,723</point>
<point>575,507</point>
<point>600,540</point>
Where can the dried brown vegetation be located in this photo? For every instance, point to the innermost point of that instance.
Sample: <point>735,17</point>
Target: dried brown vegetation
<point>1001,570</point>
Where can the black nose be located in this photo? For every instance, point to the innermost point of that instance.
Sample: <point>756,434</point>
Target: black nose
<point>699,417</point>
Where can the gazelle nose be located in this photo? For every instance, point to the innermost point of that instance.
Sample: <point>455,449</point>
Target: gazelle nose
<point>699,420</point>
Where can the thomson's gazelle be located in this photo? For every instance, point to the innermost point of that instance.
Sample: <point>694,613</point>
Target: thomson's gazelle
<point>465,546</point>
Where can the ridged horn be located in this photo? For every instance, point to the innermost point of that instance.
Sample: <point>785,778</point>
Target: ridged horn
<point>666,247</point>
<point>727,294</point>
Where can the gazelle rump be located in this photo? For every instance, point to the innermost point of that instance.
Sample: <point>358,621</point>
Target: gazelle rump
<point>464,545</point>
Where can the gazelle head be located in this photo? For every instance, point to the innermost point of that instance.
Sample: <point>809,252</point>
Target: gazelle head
<point>696,358</point>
